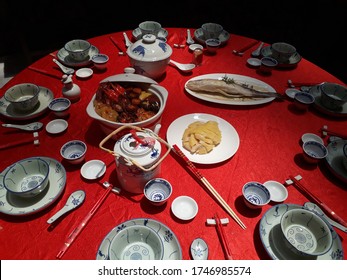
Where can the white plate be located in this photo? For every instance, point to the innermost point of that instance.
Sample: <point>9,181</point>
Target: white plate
<point>315,91</point>
<point>138,34</point>
<point>45,97</point>
<point>334,159</point>
<point>63,57</point>
<point>199,36</point>
<point>228,100</point>
<point>278,192</point>
<point>272,239</point>
<point>17,206</point>
<point>184,207</point>
<point>93,169</point>
<point>84,73</point>
<point>172,247</point>
<point>226,149</point>
<point>56,126</point>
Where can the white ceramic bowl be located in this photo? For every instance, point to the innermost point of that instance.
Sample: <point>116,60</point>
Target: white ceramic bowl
<point>184,207</point>
<point>158,191</point>
<point>136,242</point>
<point>311,137</point>
<point>78,49</point>
<point>149,56</point>
<point>212,45</point>
<point>150,27</point>
<point>74,151</point>
<point>306,232</point>
<point>56,126</point>
<point>100,61</point>
<point>23,97</point>
<point>255,195</point>
<point>282,51</point>
<point>84,73</point>
<point>333,96</point>
<point>278,192</point>
<point>135,80</point>
<point>302,100</point>
<point>192,47</point>
<point>314,151</point>
<point>60,106</point>
<point>211,30</point>
<point>93,169</point>
<point>27,177</point>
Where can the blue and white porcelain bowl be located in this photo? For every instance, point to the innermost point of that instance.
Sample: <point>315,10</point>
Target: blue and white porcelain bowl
<point>74,151</point>
<point>27,177</point>
<point>136,242</point>
<point>306,232</point>
<point>158,191</point>
<point>302,100</point>
<point>314,151</point>
<point>255,195</point>
<point>60,106</point>
<point>78,49</point>
<point>23,97</point>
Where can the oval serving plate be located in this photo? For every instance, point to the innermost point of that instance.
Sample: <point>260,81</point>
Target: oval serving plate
<point>257,84</point>
<point>226,148</point>
<point>172,247</point>
<point>17,206</point>
<point>271,236</point>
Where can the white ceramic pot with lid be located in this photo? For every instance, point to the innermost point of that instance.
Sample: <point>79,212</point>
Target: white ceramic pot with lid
<point>149,56</point>
<point>138,157</point>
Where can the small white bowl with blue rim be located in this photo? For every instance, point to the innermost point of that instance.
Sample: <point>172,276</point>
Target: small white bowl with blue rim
<point>255,195</point>
<point>158,191</point>
<point>74,151</point>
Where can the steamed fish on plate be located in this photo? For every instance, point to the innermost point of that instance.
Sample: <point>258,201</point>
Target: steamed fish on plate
<point>228,87</point>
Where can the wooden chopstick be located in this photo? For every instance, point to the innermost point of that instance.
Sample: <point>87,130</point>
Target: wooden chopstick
<point>76,231</point>
<point>222,236</point>
<point>209,187</point>
<point>316,200</point>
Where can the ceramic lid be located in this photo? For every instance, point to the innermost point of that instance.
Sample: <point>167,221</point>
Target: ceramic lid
<point>145,155</point>
<point>149,48</point>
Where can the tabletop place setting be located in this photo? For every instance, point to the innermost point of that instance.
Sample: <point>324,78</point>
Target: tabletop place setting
<point>163,143</point>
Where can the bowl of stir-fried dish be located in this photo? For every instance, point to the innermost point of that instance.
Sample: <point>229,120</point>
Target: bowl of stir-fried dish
<point>127,99</point>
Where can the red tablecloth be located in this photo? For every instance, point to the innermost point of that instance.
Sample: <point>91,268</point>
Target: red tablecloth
<point>270,149</point>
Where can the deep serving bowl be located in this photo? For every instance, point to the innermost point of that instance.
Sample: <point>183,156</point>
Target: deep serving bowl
<point>74,151</point>
<point>306,232</point>
<point>136,242</point>
<point>137,81</point>
<point>255,195</point>
<point>27,177</point>
<point>149,56</point>
<point>23,97</point>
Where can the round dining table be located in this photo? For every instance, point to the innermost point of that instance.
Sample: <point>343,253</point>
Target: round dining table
<point>266,146</point>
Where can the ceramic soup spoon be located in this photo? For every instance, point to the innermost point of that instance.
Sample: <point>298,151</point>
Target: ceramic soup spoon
<point>28,127</point>
<point>199,249</point>
<point>75,200</point>
<point>314,207</point>
<point>183,67</point>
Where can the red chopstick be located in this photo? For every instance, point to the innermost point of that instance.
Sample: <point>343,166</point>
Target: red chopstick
<point>44,72</point>
<point>222,236</point>
<point>76,231</point>
<point>333,133</point>
<point>301,84</point>
<point>118,46</point>
<point>316,200</point>
<point>245,48</point>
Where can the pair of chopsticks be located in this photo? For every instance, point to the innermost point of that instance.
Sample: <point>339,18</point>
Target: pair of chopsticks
<point>311,196</point>
<point>325,131</point>
<point>241,51</point>
<point>121,51</point>
<point>44,72</point>
<point>209,187</point>
<point>76,231</point>
<point>301,84</point>
<point>222,236</point>
<point>12,144</point>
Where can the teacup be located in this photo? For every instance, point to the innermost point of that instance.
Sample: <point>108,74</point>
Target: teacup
<point>267,64</point>
<point>333,96</point>
<point>282,51</point>
<point>302,100</point>
<point>212,45</point>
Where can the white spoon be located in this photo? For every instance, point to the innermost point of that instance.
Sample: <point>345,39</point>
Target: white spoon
<point>66,70</point>
<point>256,52</point>
<point>199,249</point>
<point>74,200</point>
<point>314,207</point>
<point>189,38</point>
<point>28,127</point>
<point>183,67</point>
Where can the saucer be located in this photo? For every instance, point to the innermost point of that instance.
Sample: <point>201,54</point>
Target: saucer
<point>63,57</point>
<point>138,34</point>
<point>16,206</point>
<point>273,241</point>
<point>45,97</point>
<point>172,247</point>
<point>293,60</point>
<point>199,36</point>
<point>334,159</point>
<point>315,91</point>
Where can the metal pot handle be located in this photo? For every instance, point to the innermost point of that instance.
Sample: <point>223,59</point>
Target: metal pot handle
<point>145,130</point>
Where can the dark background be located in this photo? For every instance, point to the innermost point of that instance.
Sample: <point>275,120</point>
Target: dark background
<point>317,29</point>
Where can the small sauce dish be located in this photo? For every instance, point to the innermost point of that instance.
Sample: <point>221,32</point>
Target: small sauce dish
<point>184,207</point>
<point>311,137</point>
<point>56,126</point>
<point>100,61</point>
<point>278,192</point>
<point>93,169</point>
<point>84,73</point>
<point>254,62</point>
